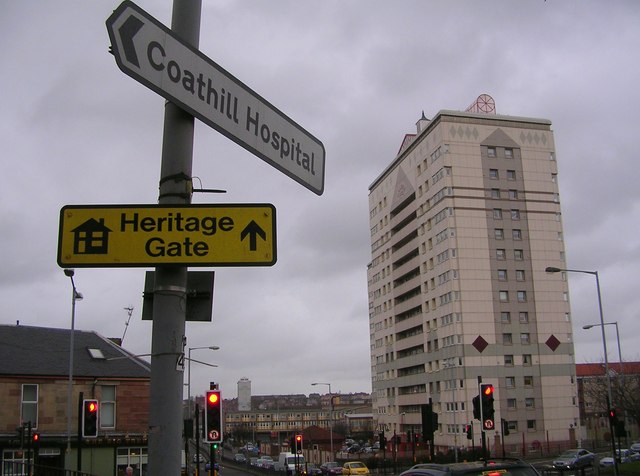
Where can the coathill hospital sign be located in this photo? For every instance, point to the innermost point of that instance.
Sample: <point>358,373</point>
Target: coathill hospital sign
<point>150,235</point>
<point>153,55</point>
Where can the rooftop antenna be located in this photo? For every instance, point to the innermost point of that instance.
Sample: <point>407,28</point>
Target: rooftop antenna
<point>126,324</point>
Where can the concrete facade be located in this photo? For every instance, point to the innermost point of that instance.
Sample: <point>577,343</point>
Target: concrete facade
<point>464,222</point>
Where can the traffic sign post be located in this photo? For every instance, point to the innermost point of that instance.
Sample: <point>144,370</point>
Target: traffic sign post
<point>155,56</point>
<point>151,235</point>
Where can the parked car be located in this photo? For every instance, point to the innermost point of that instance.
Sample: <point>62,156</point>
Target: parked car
<point>311,469</point>
<point>330,468</point>
<point>574,459</point>
<point>504,467</point>
<point>635,447</point>
<point>624,456</point>
<point>239,458</point>
<point>355,467</point>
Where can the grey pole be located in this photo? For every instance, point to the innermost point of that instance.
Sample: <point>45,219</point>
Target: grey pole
<point>610,405</point>
<point>169,298</point>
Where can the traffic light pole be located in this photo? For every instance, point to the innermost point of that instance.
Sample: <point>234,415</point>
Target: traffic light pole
<point>80,412</point>
<point>170,288</point>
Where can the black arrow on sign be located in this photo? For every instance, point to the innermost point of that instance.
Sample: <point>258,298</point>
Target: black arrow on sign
<point>127,31</point>
<point>253,230</point>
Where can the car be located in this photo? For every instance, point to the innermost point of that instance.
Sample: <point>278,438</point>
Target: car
<point>330,468</point>
<point>312,469</point>
<point>635,447</point>
<point>574,459</point>
<point>503,467</point>
<point>239,458</point>
<point>355,467</point>
<point>195,458</point>
<point>623,455</point>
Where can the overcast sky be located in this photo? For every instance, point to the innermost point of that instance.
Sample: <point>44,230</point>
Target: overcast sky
<point>356,74</point>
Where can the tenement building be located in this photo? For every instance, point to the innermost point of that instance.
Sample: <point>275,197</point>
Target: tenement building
<point>464,222</point>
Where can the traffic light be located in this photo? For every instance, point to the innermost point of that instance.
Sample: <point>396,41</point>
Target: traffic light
<point>428,426</point>
<point>488,412</point>
<point>90,418</point>
<point>476,407</point>
<point>298,442</point>
<point>35,441</point>
<point>505,427</point>
<point>213,417</point>
<point>469,431</point>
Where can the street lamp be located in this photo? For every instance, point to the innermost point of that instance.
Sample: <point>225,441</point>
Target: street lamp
<point>75,296</point>
<point>330,416</point>
<point>552,269</point>
<point>621,375</point>
<point>211,347</point>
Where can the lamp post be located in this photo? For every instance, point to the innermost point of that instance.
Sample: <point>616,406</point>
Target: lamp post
<point>552,269</point>
<point>621,374</point>
<point>211,347</point>
<point>330,417</point>
<point>75,296</point>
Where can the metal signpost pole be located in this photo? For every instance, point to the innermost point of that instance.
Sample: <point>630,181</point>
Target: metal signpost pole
<point>169,310</point>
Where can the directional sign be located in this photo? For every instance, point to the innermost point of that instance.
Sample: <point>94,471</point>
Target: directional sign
<point>150,53</point>
<point>150,235</point>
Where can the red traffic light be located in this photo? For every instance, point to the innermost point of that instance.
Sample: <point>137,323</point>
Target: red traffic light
<point>298,438</point>
<point>92,406</point>
<point>213,398</point>
<point>36,437</point>
<point>487,390</point>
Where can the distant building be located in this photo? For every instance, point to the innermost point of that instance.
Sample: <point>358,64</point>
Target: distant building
<point>274,419</point>
<point>463,222</point>
<point>34,371</point>
<point>244,395</point>
<point>592,395</point>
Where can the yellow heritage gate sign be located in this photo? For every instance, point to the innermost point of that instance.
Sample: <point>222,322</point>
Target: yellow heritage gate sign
<point>150,235</point>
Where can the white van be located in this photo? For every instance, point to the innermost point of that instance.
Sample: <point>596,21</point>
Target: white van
<point>289,460</point>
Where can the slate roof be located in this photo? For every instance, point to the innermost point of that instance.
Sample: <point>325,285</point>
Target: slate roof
<point>44,351</point>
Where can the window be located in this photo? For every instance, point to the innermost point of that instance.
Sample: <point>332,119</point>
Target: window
<point>513,425</point>
<point>504,296</point>
<point>29,410</point>
<point>507,339</point>
<point>505,317</point>
<point>528,381</point>
<point>518,255</point>
<point>497,214</point>
<point>515,214</point>
<point>516,234</point>
<point>502,274</point>
<point>508,153</point>
<point>499,233</point>
<point>531,424</point>
<point>493,173</point>
<point>510,382</point>
<point>511,174</point>
<point>526,359</point>
<point>108,407</point>
<point>522,296</point>
<point>520,276</point>
<point>501,254</point>
<point>512,403</point>
<point>508,360</point>
<point>525,338</point>
<point>495,193</point>
<point>529,402</point>
<point>524,317</point>
<point>513,194</point>
<point>491,151</point>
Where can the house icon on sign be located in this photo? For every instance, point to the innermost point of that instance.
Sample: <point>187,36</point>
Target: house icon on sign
<point>91,238</point>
